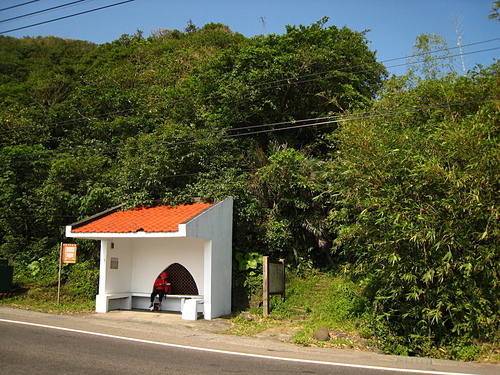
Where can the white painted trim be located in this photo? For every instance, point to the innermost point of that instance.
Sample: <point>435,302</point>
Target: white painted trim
<point>99,236</point>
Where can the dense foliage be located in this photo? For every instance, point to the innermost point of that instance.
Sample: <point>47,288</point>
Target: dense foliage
<point>419,209</point>
<point>329,162</point>
<point>171,117</point>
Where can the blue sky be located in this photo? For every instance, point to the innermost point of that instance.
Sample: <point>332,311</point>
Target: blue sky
<point>394,24</point>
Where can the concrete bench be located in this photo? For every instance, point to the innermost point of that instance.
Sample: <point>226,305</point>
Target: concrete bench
<point>181,296</point>
<point>113,301</point>
<point>141,300</point>
<point>190,309</point>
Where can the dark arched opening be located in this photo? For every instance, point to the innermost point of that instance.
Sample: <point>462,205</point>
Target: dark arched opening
<point>181,280</point>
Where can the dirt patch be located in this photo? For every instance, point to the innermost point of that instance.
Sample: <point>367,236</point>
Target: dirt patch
<point>283,334</point>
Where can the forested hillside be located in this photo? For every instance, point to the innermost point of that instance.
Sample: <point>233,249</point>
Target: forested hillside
<point>332,164</point>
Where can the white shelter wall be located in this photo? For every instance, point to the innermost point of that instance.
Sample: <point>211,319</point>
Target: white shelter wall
<point>118,280</point>
<point>152,255</point>
<point>216,224</point>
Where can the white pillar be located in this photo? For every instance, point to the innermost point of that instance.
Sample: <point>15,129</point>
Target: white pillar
<point>208,275</point>
<point>101,301</point>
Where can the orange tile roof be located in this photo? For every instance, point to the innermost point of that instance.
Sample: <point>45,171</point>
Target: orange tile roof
<point>146,219</point>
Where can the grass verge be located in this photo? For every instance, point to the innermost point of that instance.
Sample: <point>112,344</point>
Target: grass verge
<point>44,299</point>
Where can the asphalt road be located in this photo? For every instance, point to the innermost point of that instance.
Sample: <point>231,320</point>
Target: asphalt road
<point>126,342</point>
<point>35,350</point>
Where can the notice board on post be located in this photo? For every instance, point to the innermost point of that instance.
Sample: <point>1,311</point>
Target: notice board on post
<point>68,253</point>
<point>273,279</point>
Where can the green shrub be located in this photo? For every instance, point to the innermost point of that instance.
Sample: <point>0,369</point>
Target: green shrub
<point>83,280</point>
<point>343,301</point>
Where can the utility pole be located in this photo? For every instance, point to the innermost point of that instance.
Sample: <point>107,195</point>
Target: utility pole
<point>458,31</point>
<point>264,24</point>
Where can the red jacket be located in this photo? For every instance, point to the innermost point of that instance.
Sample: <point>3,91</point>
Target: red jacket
<point>162,284</point>
<point>159,283</point>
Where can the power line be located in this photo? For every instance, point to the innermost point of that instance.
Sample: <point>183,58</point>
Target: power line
<point>270,83</point>
<point>335,72</point>
<point>41,11</point>
<point>65,17</point>
<point>294,79</point>
<point>358,116</point>
<point>296,124</point>
<point>19,5</point>
<point>393,59</point>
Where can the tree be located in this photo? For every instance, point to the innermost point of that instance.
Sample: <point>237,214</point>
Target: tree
<point>22,169</point>
<point>419,210</point>
<point>290,190</point>
<point>494,11</point>
<point>424,61</point>
<point>308,72</point>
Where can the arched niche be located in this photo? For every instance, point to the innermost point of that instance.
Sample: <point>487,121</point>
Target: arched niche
<point>181,280</point>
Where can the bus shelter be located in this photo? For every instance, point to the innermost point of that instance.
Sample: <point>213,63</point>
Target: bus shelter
<point>192,243</point>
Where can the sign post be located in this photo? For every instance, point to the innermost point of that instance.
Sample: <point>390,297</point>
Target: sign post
<point>67,254</point>
<point>274,281</point>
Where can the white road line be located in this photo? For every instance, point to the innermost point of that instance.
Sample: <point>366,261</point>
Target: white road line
<point>237,353</point>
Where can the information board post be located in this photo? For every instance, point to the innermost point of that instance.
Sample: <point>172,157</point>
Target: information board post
<point>67,254</point>
<point>274,281</point>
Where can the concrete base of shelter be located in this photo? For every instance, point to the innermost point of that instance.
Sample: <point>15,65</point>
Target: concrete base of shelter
<point>188,305</point>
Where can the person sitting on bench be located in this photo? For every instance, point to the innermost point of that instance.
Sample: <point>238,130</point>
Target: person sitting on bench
<point>160,288</point>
